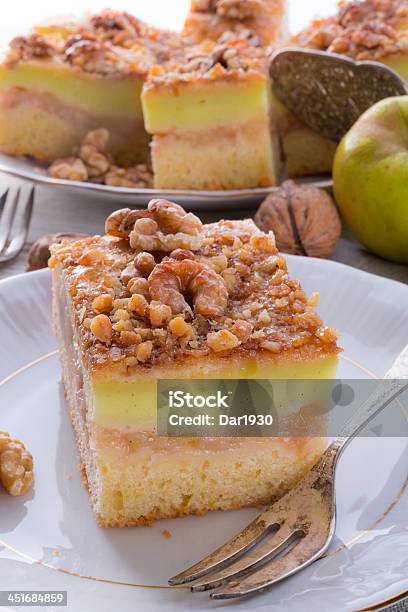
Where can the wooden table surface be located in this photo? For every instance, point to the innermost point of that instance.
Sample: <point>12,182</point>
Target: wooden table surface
<point>58,210</point>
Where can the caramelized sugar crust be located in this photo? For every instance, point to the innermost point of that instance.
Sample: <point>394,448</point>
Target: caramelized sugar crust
<point>161,289</point>
<point>363,30</point>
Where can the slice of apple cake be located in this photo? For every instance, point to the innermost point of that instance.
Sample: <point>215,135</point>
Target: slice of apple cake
<point>69,77</point>
<point>210,120</point>
<point>162,297</point>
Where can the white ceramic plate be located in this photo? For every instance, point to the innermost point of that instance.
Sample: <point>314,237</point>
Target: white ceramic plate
<point>25,168</point>
<point>49,540</point>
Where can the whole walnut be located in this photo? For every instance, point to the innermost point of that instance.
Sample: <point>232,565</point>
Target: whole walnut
<point>39,253</point>
<point>303,218</point>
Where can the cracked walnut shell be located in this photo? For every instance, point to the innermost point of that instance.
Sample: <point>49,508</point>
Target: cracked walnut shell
<point>303,218</point>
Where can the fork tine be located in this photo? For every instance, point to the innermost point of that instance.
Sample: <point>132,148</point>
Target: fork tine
<point>7,217</point>
<point>19,237</point>
<point>278,543</point>
<point>3,198</point>
<point>13,233</point>
<point>227,553</point>
<point>303,553</point>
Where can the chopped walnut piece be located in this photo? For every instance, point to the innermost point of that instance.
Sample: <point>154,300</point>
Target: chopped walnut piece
<point>146,226</point>
<point>327,335</point>
<point>26,48</point>
<point>138,304</point>
<point>160,314</point>
<point>230,278</point>
<point>123,325</point>
<point>181,254</point>
<point>101,327</point>
<point>313,301</point>
<point>92,152</point>
<point>265,243</point>
<point>92,257</point>
<point>120,315</point>
<point>172,281</point>
<point>144,264</point>
<point>129,338</point>
<point>128,273</point>
<point>103,303</point>
<point>69,168</point>
<point>144,351</point>
<point>138,176</point>
<point>139,285</point>
<point>264,317</point>
<point>222,340</point>
<point>242,329</point>
<point>218,263</point>
<point>271,346</point>
<point>16,465</point>
<point>98,138</point>
<point>179,327</point>
<point>239,9</point>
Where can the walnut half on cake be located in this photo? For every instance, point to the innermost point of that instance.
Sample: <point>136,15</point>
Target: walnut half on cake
<point>161,296</point>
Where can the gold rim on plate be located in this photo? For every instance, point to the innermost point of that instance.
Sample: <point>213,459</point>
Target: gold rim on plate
<point>62,570</point>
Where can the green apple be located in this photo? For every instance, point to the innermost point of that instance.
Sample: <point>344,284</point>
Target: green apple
<point>371,179</point>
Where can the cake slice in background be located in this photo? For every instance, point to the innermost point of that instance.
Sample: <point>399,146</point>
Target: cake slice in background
<point>265,19</point>
<point>69,77</point>
<point>162,297</point>
<point>210,120</point>
<point>374,30</point>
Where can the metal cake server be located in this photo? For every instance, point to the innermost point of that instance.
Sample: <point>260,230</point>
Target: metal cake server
<point>298,529</point>
<point>329,92</point>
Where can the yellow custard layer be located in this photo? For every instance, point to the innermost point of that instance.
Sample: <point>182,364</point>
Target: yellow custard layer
<point>94,93</point>
<point>185,107</point>
<point>118,404</point>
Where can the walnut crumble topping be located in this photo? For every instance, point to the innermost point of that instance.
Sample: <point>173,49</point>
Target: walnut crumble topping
<point>231,9</point>
<point>16,465</point>
<point>107,43</point>
<point>367,29</point>
<point>232,55</point>
<point>229,294</point>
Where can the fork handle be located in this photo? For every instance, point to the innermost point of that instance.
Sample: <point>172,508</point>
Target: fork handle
<point>395,383</point>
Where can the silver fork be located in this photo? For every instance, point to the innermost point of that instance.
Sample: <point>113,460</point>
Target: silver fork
<point>15,218</point>
<point>296,530</point>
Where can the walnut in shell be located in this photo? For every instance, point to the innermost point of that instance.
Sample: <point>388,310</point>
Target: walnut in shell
<point>303,218</point>
<point>39,253</point>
